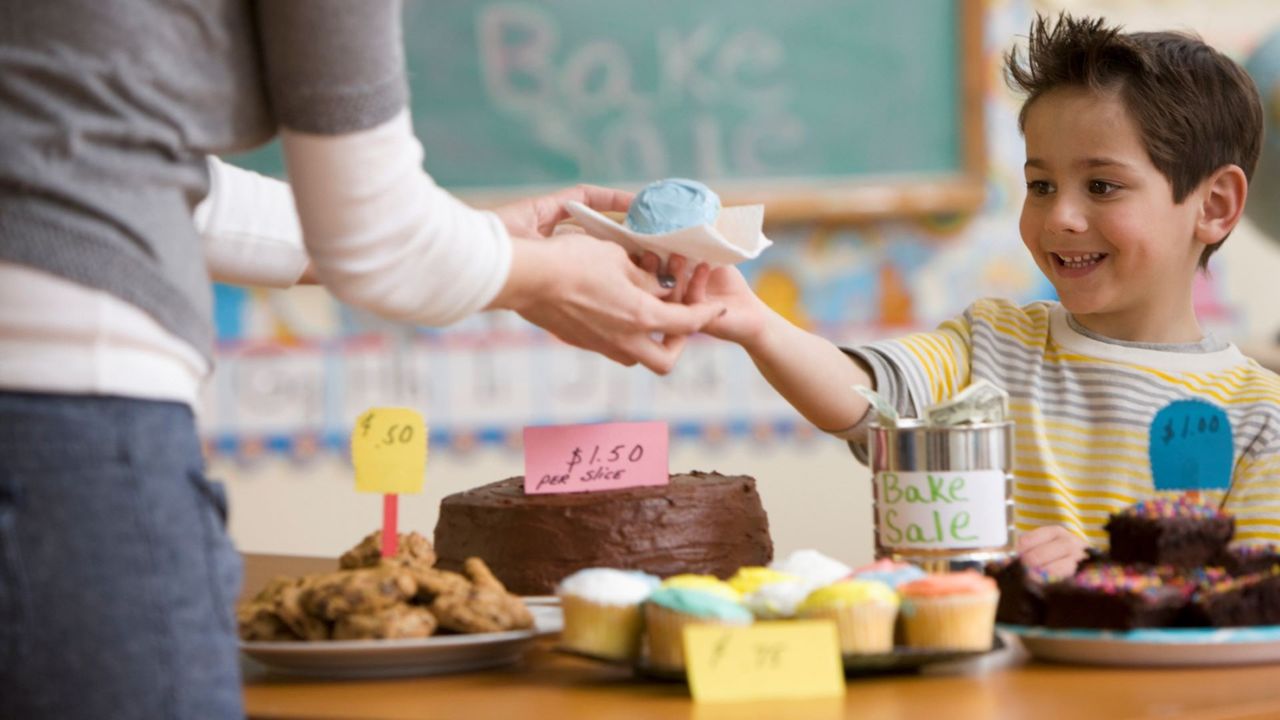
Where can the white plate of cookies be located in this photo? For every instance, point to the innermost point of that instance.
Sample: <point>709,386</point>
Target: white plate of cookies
<point>390,617</point>
<point>435,655</point>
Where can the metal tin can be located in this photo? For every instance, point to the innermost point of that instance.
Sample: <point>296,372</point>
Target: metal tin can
<point>943,495</point>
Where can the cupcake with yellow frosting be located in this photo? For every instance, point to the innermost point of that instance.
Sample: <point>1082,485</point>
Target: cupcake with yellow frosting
<point>952,611</point>
<point>670,609</point>
<point>863,610</point>
<point>602,615</point>
<point>751,578</point>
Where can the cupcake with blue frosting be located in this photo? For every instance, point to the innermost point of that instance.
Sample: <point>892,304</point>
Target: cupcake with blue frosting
<point>670,609</point>
<point>889,572</point>
<point>667,206</point>
<point>703,583</point>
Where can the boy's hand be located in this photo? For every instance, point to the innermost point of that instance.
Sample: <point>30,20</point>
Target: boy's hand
<point>1053,549</point>
<point>743,320</point>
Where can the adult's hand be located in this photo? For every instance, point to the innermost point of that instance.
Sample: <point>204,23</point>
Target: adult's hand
<point>588,292</point>
<point>538,217</point>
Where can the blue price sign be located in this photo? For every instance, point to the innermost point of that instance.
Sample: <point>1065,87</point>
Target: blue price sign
<point>1190,446</point>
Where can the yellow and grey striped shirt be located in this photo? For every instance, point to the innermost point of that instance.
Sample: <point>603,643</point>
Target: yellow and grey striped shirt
<point>1083,406</point>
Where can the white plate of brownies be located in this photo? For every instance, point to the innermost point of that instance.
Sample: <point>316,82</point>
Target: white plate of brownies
<point>1154,647</point>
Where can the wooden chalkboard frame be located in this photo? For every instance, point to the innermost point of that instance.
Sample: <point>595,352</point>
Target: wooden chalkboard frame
<point>862,199</point>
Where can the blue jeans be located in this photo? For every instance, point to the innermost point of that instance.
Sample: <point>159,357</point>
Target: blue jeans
<point>117,577</point>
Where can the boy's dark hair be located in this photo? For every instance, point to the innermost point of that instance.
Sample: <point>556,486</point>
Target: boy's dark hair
<point>1197,110</point>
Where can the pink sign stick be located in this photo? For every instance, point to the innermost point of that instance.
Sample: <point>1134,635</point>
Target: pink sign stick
<point>587,458</point>
<point>389,518</point>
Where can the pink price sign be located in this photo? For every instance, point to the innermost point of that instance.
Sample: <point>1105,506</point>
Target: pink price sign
<point>588,458</point>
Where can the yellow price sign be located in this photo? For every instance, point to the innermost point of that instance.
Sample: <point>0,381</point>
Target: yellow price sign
<point>389,450</point>
<point>790,659</point>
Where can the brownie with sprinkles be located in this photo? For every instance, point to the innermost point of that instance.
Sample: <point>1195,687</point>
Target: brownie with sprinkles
<point>1235,601</point>
<point>1021,591</point>
<point>1249,559</point>
<point>1093,556</point>
<point>1114,597</point>
<point>1184,531</point>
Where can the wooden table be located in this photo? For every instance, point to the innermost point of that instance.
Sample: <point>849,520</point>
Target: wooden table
<point>548,685</point>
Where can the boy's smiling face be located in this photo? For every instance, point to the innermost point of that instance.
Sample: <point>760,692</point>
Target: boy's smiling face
<point>1101,223</point>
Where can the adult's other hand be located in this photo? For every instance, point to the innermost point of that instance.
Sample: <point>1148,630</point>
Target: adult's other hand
<point>590,294</point>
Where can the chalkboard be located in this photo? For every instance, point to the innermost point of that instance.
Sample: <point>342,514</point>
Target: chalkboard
<point>822,109</point>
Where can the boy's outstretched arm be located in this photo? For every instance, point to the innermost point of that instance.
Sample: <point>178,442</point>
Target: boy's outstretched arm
<point>814,375</point>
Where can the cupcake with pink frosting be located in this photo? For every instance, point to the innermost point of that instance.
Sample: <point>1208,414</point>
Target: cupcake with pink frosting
<point>949,611</point>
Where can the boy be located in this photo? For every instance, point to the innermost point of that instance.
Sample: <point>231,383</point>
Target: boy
<point>1139,149</point>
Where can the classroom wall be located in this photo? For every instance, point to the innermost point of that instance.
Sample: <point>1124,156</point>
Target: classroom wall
<point>300,499</point>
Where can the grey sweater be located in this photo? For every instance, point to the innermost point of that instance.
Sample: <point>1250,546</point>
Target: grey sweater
<point>108,107</point>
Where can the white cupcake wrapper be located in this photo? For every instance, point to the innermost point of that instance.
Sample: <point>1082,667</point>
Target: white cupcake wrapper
<point>737,235</point>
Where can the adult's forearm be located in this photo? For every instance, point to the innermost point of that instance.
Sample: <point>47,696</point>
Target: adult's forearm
<point>249,228</point>
<point>383,236</point>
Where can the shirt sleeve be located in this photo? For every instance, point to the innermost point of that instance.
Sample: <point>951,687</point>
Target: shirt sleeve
<point>914,372</point>
<point>249,228</point>
<point>380,233</point>
<point>333,66</point>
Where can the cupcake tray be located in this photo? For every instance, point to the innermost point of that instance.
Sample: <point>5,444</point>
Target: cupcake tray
<point>901,660</point>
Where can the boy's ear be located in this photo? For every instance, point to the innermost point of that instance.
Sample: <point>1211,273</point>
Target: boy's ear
<point>1222,203</point>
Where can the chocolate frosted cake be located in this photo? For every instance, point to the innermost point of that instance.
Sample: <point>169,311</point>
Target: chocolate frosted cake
<point>700,523</point>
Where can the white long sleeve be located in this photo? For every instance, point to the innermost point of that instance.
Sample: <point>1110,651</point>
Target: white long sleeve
<point>383,236</point>
<point>249,227</point>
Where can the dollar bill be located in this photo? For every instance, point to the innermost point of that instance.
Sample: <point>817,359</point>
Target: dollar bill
<point>981,402</point>
<point>887,413</point>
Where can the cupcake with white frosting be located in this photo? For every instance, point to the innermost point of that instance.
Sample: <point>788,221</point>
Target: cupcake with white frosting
<point>779,599</point>
<point>813,567</point>
<point>602,611</point>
